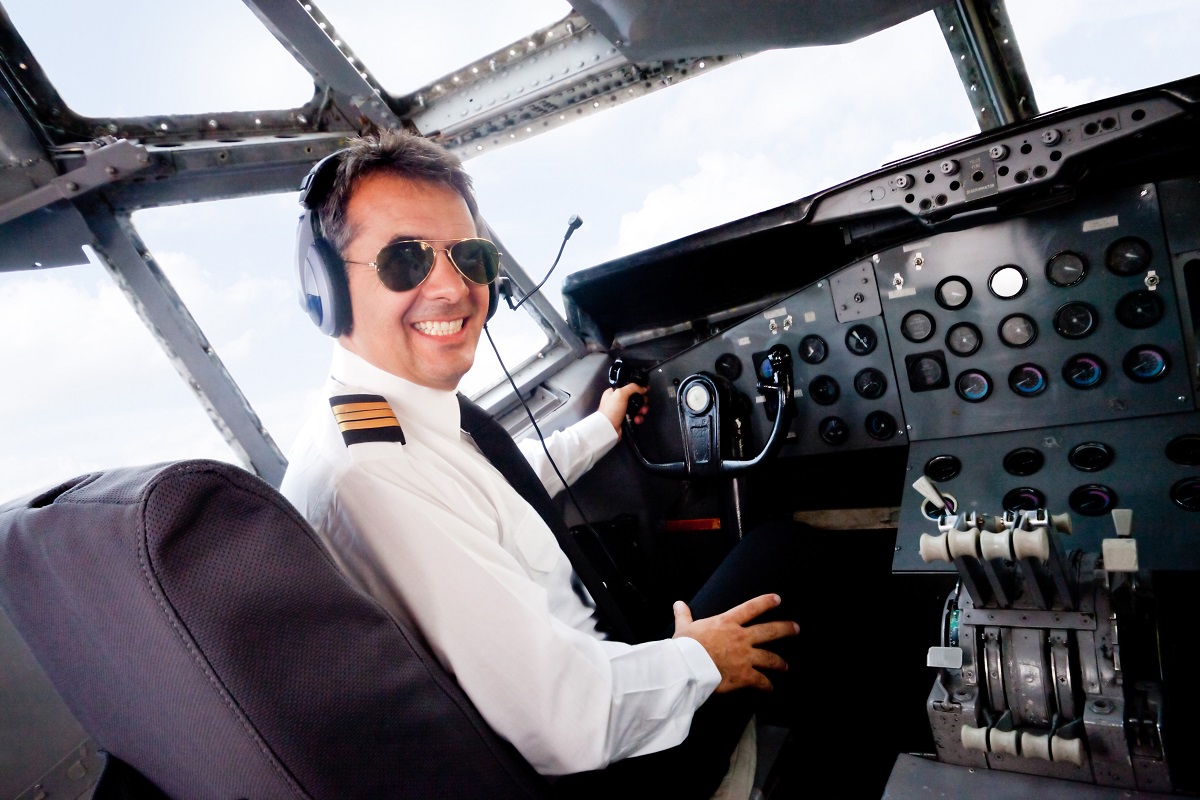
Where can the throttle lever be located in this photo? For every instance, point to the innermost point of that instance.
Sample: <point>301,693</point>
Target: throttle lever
<point>622,373</point>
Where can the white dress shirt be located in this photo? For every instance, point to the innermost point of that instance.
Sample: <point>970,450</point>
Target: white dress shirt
<point>431,527</point>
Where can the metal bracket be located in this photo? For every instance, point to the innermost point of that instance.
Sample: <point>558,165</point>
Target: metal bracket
<point>981,39</point>
<point>110,161</point>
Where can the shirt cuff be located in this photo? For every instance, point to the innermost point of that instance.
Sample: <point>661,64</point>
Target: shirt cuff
<point>708,677</point>
<point>597,431</point>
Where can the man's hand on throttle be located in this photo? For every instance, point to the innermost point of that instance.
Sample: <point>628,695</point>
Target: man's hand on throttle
<point>615,404</point>
<point>733,645</point>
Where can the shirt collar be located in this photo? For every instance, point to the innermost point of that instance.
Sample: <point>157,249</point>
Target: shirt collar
<point>436,409</point>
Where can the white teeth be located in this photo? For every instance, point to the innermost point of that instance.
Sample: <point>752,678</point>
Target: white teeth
<point>440,328</point>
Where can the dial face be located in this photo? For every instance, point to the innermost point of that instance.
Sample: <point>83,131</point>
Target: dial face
<point>963,339</point>
<point>813,349</point>
<point>1027,380</point>
<point>1023,461</point>
<point>1139,309</point>
<point>926,371</point>
<point>942,468</point>
<point>861,340</point>
<point>917,326</point>
<point>953,292</point>
<point>1185,450</point>
<point>1066,269</point>
<point>973,386</point>
<point>881,425</point>
<point>1007,282</point>
<point>834,430</point>
<point>729,366</point>
<point>1092,500</point>
<point>1145,363</point>
<point>1084,371</point>
<point>824,390</point>
<point>1127,256</point>
<point>1023,498</point>
<point>1186,494</point>
<point>1018,330</point>
<point>1090,456</point>
<point>1075,320</point>
<point>870,383</point>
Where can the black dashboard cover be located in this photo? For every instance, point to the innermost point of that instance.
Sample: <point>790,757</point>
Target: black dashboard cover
<point>197,628</point>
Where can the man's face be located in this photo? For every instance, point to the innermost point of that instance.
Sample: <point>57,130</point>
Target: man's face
<point>426,335</point>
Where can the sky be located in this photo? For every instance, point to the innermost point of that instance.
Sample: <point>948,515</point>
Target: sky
<point>87,386</point>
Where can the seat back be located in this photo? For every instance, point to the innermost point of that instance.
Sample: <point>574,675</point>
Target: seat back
<point>199,631</point>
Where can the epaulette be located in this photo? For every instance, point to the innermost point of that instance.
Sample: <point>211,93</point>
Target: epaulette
<point>365,418</point>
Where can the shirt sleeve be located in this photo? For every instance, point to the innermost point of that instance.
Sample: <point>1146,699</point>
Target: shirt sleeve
<point>574,450</point>
<point>567,701</point>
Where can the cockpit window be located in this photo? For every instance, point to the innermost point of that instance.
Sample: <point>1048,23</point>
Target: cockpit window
<point>1081,51</point>
<point>141,57</point>
<point>409,45</point>
<point>752,135</point>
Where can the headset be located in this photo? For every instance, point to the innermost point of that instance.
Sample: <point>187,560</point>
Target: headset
<point>324,289</point>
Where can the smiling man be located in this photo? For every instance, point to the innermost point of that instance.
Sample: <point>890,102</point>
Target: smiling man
<point>393,266</point>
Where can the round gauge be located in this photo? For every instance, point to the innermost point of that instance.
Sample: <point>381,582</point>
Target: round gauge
<point>1092,500</point>
<point>1018,330</point>
<point>729,366</point>
<point>1146,363</point>
<point>870,383</point>
<point>1023,461</point>
<point>1084,371</point>
<point>917,326</point>
<point>824,390</point>
<point>953,292</point>
<point>934,513</point>
<point>813,349</point>
<point>1090,456</point>
<point>1185,450</point>
<point>942,468</point>
<point>926,371</point>
<point>963,339</point>
<point>1023,498</point>
<point>1186,494</point>
<point>834,430</point>
<point>1139,309</point>
<point>1075,320</point>
<point>1127,256</point>
<point>881,425</point>
<point>1007,282</point>
<point>973,386</point>
<point>861,340</point>
<point>1027,380</point>
<point>1066,269</point>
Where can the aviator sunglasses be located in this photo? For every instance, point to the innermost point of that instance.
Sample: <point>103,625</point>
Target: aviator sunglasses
<point>402,266</point>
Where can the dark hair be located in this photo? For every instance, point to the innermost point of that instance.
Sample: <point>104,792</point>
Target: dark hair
<point>391,152</point>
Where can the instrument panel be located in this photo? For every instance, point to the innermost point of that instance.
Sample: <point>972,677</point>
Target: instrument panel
<point>1038,361</point>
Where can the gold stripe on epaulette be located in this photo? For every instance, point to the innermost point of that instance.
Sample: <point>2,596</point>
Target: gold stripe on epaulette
<point>351,408</point>
<point>357,425</point>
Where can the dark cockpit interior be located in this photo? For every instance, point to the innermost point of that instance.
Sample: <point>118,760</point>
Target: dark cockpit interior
<point>973,371</point>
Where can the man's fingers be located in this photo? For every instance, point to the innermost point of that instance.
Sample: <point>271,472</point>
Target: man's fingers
<point>765,659</point>
<point>683,615</point>
<point>770,631</point>
<point>752,608</point>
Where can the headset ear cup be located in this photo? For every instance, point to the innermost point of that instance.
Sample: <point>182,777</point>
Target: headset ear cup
<point>324,294</point>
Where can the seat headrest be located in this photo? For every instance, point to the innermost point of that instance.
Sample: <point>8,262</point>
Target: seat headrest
<point>197,628</point>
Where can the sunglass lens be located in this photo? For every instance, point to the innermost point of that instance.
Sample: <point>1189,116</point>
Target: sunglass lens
<point>477,259</point>
<point>403,265</point>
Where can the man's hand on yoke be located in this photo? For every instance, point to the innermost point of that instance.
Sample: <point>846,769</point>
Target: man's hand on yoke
<point>733,644</point>
<point>615,404</point>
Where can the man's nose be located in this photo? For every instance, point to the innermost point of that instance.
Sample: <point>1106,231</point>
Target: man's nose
<point>445,281</point>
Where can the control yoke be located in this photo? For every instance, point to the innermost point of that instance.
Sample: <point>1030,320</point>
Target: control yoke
<point>700,399</point>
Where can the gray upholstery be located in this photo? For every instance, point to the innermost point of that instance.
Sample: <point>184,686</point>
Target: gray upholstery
<point>198,630</point>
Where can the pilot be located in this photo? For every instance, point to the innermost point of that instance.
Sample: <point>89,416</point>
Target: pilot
<point>420,519</point>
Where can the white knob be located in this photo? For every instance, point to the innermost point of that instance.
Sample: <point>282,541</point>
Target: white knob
<point>1062,522</point>
<point>1070,750</point>
<point>1004,742</point>
<point>1123,520</point>
<point>934,548</point>
<point>964,544</point>
<point>1035,746</point>
<point>1031,544</point>
<point>995,545</point>
<point>929,491</point>
<point>974,738</point>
